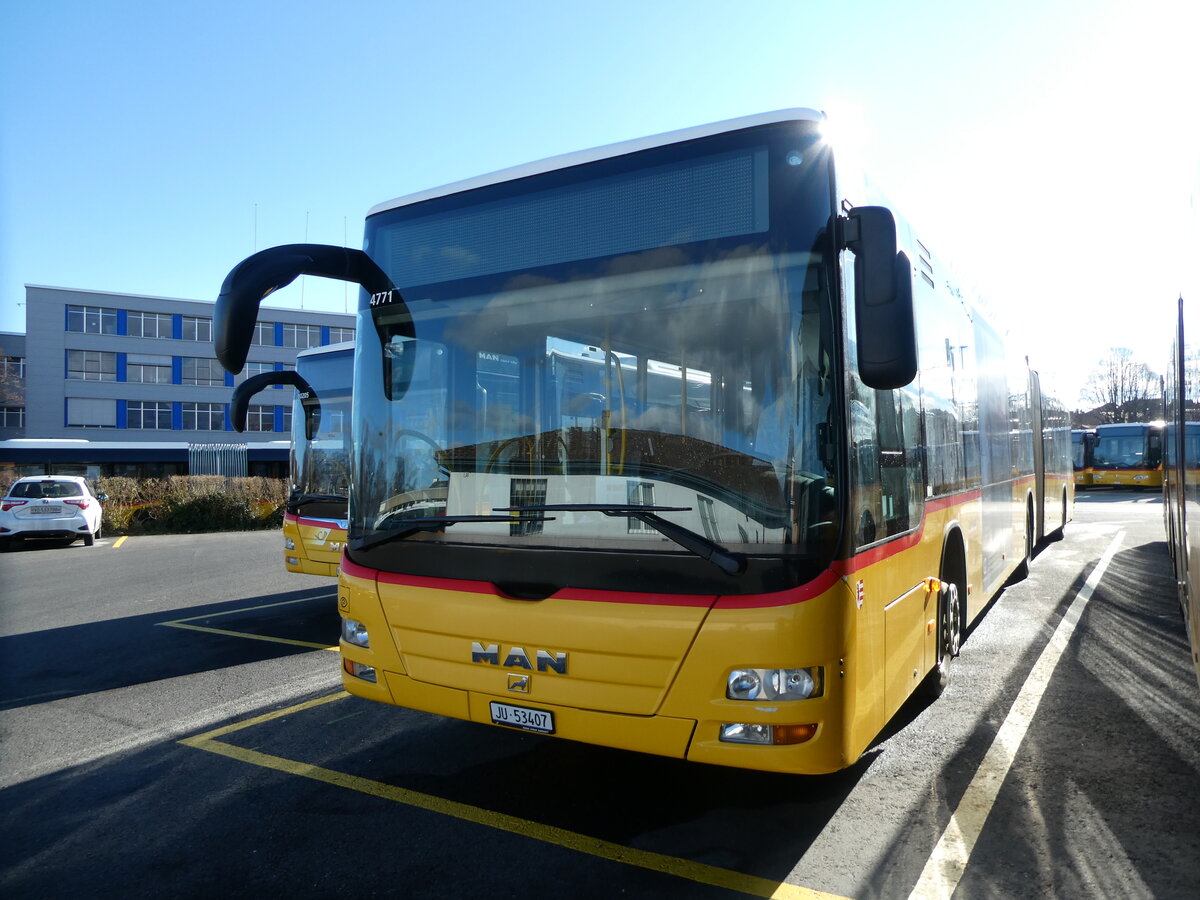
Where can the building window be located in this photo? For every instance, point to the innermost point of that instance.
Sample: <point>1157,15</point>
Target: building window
<point>202,371</point>
<point>301,336</point>
<point>151,325</point>
<point>88,412</point>
<point>197,328</point>
<point>260,418</point>
<point>149,415</point>
<point>287,420</point>
<point>204,417</point>
<point>708,517</point>
<point>264,334</point>
<point>148,374</point>
<point>91,365</point>
<point>337,335</point>
<point>526,492</point>
<point>12,417</point>
<point>92,319</point>
<point>12,368</point>
<point>640,493</point>
<point>251,369</point>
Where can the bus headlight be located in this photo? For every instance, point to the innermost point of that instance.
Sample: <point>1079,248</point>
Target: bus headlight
<point>769,735</point>
<point>355,633</point>
<point>359,670</point>
<point>775,684</point>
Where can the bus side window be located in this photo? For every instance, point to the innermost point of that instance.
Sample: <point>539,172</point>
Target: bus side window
<point>1154,449</point>
<point>864,466</point>
<point>900,475</point>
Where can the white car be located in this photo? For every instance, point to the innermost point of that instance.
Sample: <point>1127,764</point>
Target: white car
<point>60,507</point>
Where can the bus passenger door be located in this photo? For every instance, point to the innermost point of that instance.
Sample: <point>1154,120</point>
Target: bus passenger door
<point>889,503</point>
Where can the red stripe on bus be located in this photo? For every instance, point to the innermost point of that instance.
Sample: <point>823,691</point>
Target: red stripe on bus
<point>317,523</point>
<point>814,588</point>
<point>702,601</point>
<point>354,570</point>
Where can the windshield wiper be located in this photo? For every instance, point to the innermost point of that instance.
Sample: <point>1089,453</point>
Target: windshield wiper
<point>727,561</point>
<point>301,499</point>
<point>432,523</point>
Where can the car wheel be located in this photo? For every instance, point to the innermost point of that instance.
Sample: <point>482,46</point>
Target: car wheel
<point>88,539</point>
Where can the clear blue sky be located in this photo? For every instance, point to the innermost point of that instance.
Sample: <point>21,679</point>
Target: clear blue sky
<point>1047,148</point>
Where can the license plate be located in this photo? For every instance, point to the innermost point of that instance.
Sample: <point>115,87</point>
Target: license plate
<point>45,510</point>
<point>538,720</point>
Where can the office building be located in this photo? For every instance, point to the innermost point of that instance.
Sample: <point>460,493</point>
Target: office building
<point>127,369</point>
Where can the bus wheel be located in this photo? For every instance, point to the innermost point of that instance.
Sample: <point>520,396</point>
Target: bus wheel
<point>949,632</point>
<point>1022,570</point>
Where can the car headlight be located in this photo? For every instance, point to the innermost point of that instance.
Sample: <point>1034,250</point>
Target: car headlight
<point>775,684</point>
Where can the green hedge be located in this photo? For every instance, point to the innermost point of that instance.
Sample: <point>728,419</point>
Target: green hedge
<point>187,504</point>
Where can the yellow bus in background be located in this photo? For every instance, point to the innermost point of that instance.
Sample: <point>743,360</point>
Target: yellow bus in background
<point>315,516</point>
<point>1082,443</point>
<point>687,445</point>
<point>1128,455</point>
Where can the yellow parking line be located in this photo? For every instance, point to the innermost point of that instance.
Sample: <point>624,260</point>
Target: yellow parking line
<point>251,636</point>
<point>231,612</point>
<point>183,623</point>
<point>122,539</point>
<point>548,834</point>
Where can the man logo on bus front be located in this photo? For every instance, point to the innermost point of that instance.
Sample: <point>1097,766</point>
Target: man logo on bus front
<point>517,658</point>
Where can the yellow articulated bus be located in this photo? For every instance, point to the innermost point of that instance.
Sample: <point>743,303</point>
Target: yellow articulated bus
<point>1181,472</point>
<point>1128,455</point>
<point>686,446</point>
<point>1082,442</point>
<point>315,516</point>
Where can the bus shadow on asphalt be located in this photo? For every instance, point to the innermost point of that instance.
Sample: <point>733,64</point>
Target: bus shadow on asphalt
<point>43,666</point>
<point>458,796</point>
<point>1129,657</point>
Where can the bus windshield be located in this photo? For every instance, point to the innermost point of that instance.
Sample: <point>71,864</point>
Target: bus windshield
<point>574,349</point>
<point>321,466</point>
<point>1123,448</point>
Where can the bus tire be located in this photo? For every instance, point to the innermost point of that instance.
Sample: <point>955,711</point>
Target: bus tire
<point>950,619</point>
<point>1022,570</point>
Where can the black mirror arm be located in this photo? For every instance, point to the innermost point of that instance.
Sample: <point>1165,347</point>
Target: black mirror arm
<point>239,406</point>
<point>257,277</point>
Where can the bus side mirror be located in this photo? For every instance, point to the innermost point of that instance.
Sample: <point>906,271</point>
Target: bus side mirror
<point>885,320</point>
<point>253,279</point>
<point>239,407</point>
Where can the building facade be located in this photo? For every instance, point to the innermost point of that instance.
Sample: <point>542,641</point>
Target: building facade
<point>123,367</point>
<point>12,385</point>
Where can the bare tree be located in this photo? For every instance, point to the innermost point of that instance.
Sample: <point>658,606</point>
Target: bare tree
<point>12,388</point>
<point>1124,389</point>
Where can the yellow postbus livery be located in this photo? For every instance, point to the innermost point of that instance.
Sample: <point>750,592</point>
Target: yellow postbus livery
<point>688,446</point>
<point>1128,455</point>
<point>1083,440</point>
<point>315,516</point>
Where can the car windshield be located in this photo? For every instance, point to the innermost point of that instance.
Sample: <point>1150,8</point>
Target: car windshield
<point>35,490</point>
